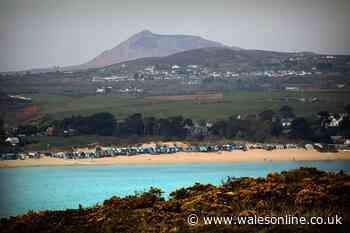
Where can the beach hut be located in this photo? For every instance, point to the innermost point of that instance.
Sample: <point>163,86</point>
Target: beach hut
<point>291,146</point>
<point>118,151</point>
<point>215,148</point>
<point>242,147</point>
<point>309,147</point>
<point>147,150</point>
<point>229,147</point>
<point>139,150</point>
<point>131,150</point>
<point>191,149</point>
<point>123,151</point>
<point>203,149</point>
<point>279,146</point>
<point>233,146</point>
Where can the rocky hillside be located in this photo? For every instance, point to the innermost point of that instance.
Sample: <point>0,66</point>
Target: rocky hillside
<point>148,44</point>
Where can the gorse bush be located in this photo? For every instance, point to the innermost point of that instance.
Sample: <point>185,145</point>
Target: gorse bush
<point>300,192</point>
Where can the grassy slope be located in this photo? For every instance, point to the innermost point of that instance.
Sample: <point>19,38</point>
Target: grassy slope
<point>235,102</point>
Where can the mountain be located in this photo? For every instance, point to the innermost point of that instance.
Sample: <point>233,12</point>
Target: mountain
<point>213,56</point>
<point>148,44</point>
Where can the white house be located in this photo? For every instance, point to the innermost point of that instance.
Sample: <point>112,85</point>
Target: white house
<point>150,69</point>
<point>12,140</point>
<point>335,122</point>
<point>286,122</point>
<point>292,88</point>
<point>100,90</point>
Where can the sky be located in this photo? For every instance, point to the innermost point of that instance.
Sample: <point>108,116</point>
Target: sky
<point>47,33</point>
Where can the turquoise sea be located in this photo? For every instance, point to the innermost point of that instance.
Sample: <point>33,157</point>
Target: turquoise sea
<point>61,187</point>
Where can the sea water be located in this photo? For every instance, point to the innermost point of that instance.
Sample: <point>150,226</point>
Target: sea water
<point>61,187</point>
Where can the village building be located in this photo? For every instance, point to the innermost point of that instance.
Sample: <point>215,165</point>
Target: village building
<point>12,140</point>
<point>334,121</point>
<point>286,122</point>
<point>101,90</point>
<point>50,131</point>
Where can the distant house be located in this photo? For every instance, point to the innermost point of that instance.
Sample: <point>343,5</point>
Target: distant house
<point>292,88</point>
<point>50,131</point>
<point>69,132</point>
<point>12,140</point>
<point>334,121</point>
<point>101,90</point>
<point>200,130</point>
<point>149,69</point>
<point>313,100</point>
<point>108,89</point>
<point>286,122</point>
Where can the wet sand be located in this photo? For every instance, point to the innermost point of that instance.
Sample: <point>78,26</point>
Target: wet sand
<point>184,157</point>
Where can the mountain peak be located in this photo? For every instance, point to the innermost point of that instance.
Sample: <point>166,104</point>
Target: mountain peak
<point>142,34</point>
<point>148,44</point>
<point>145,32</point>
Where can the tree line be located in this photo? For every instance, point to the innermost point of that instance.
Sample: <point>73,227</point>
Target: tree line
<point>106,124</point>
<point>263,126</point>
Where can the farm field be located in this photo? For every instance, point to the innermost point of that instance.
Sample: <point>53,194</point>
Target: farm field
<point>198,97</point>
<point>233,103</point>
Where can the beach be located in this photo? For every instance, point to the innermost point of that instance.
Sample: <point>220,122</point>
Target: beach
<point>188,158</point>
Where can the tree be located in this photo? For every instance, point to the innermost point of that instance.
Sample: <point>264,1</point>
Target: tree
<point>266,115</point>
<point>262,131</point>
<point>2,129</point>
<point>4,146</point>
<point>286,112</point>
<point>135,124</point>
<point>345,126</point>
<point>27,129</point>
<point>321,135</point>
<point>150,124</point>
<point>188,122</point>
<point>219,128</point>
<point>323,114</point>
<point>164,128</point>
<point>276,128</point>
<point>347,109</point>
<point>324,118</point>
<point>103,123</point>
<point>2,132</point>
<point>177,127</point>
<point>300,128</point>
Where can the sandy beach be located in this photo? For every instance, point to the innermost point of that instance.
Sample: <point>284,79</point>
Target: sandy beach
<point>182,157</point>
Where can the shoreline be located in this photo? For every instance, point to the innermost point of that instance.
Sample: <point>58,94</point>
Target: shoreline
<point>187,158</point>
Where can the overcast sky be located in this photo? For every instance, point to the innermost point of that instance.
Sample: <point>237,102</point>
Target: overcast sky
<point>44,33</point>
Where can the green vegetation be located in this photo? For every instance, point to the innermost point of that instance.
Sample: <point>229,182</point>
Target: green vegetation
<point>304,192</point>
<point>50,142</point>
<point>266,126</point>
<point>235,102</point>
